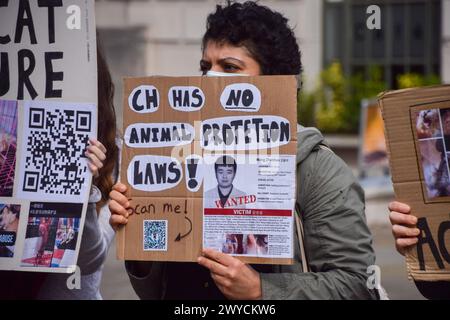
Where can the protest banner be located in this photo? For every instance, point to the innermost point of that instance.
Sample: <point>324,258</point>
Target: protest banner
<point>209,162</point>
<point>417,127</point>
<point>48,111</point>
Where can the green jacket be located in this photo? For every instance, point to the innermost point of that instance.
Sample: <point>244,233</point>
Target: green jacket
<point>338,242</point>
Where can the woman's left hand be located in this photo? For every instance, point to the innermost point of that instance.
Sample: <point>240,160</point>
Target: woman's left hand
<point>96,153</point>
<point>235,279</point>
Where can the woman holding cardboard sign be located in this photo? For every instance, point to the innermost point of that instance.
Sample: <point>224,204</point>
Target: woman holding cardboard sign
<point>251,39</point>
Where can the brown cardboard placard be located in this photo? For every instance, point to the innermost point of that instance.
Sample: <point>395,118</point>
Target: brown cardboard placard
<point>176,132</point>
<point>417,127</point>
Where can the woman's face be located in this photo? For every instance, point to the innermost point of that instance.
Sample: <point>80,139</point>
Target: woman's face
<point>227,58</point>
<point>6,217</point>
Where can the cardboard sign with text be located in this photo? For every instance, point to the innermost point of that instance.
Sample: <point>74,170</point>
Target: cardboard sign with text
<point>209,162</point>
<point>417,126</point>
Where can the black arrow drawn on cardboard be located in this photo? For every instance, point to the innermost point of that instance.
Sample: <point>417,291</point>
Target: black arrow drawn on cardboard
<point>179,236</point>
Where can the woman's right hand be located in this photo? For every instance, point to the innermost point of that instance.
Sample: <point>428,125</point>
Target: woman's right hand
<point>404,226</point>
<point>118,205</point>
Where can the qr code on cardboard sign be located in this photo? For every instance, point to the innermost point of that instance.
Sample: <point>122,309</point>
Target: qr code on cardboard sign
<point>56,138</point>
<point>155,235</point>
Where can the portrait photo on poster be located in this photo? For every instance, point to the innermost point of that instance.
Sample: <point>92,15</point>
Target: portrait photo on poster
<point>225,183</point>
<point>9,224</point>
<point>432,130</point>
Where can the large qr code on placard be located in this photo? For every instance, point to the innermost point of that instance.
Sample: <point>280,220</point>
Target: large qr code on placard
<point>55,140</point>
<point>155,235</point>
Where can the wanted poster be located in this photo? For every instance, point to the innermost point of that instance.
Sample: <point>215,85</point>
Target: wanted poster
<point>48,112</point>
<point>417,125</point>
<point>249,219</point>
<point>209,163</point>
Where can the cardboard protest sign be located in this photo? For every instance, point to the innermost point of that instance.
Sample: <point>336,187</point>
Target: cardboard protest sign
<point>209,162</point>
<point>417,125</point>
<point>48,111</point>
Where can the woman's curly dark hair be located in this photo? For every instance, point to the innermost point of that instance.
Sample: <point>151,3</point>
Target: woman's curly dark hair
<point>263,32</point>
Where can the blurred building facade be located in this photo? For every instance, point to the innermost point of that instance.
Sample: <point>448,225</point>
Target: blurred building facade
<point>163,37</point>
